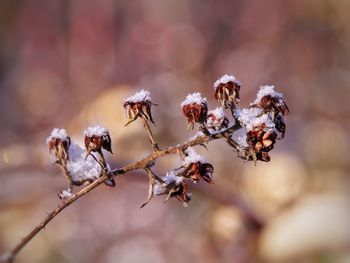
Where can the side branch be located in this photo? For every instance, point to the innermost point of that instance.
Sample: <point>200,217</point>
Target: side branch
<point>10,255</point>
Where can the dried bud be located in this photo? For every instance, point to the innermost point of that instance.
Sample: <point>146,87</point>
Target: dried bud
<point>199,171</point>
<point>270,100</point>
<point>59,143</point>
<point>227,91</point>
<point>261,140</point>
<point>216,119</point>
<point>139,105</point>
<point>97,138</point>
<point>173,186</point>
<point>196,167</point>
<point>195,109</point>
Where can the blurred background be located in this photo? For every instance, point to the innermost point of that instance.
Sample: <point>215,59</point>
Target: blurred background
<point>69,64</point>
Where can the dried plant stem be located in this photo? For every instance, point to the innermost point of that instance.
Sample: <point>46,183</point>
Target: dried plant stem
<point>150,134</point>
<point>10,255</point>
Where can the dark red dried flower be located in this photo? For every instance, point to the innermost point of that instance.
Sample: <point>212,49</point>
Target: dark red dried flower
<point>97,138</point>
<point>275,104</point>
<point>199,171</point>
<point>195,109</point>
<point>139,105</point>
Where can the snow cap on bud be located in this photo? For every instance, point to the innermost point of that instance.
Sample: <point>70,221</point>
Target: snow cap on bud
<point>227,90</point>
<point>216,119</point>
<point>270,100</point>
<point>59,143</point>
<point>195,109</point>
<point>97,138</point>
<point>139,105</point>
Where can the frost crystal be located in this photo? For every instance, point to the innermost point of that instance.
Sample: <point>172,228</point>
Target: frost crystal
<point>96,131</point>
<point>65,194</point>
<point>267,90</point>
<point>195,98</point>
<point>252,117</point>
<point>142,95</point>
<point>218,112</point>
<point>225,79</point>
<point>240,136</point>
<point>170,177</point>
<point>215,117</point>
<point>58,134</point>
<point>81,168</point>
<point>192,157</point>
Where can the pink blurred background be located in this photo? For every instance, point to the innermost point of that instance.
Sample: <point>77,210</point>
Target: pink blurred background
<point>69,64</point>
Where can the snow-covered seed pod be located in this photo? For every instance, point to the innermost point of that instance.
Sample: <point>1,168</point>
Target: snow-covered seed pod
<point>97,138</point>
<point>270,100</point>
<point>197,167</point>
<point>227,91</point>
<point>59,143</point>
<point>195,109</point>
<point>139,105</point>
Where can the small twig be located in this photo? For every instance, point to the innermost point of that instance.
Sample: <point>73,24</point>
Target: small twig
<point>11,254</point>
<point>150,134</point>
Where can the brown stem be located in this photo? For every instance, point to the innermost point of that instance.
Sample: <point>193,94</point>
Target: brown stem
<point>11,254</point>
<point>150,134</point>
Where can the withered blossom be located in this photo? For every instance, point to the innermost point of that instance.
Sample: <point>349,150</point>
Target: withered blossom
<point>227,91</point>
<point>59,143</point>
<point>261,141</point>
<point>139,105</point>
<point>195,109</point>
<point>199,171</point>
<point>173,186</point>
<point>97,138</point>
<point>270,100</point>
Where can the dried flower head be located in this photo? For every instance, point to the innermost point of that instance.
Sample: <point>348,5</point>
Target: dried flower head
<point>199,171</point>
<point>139,105</point>
<point>173,186</point>
<point>97,138</point>
<point>216,119</point>
<point>261,140</point>
<point>270,100</point>
<point>195,109</point>
<point>59,143</point>
<point>196,167</point>
<point>227,91</point>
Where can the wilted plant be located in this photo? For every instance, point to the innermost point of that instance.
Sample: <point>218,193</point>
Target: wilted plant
<point>259,123</point>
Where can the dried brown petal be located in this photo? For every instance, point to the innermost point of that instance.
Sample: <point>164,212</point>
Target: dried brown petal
<point>228,94</point>
<point>195,113</point>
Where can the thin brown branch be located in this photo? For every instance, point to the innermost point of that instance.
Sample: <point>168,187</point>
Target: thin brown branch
<point>11,254</point>
<point>150,134</point>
